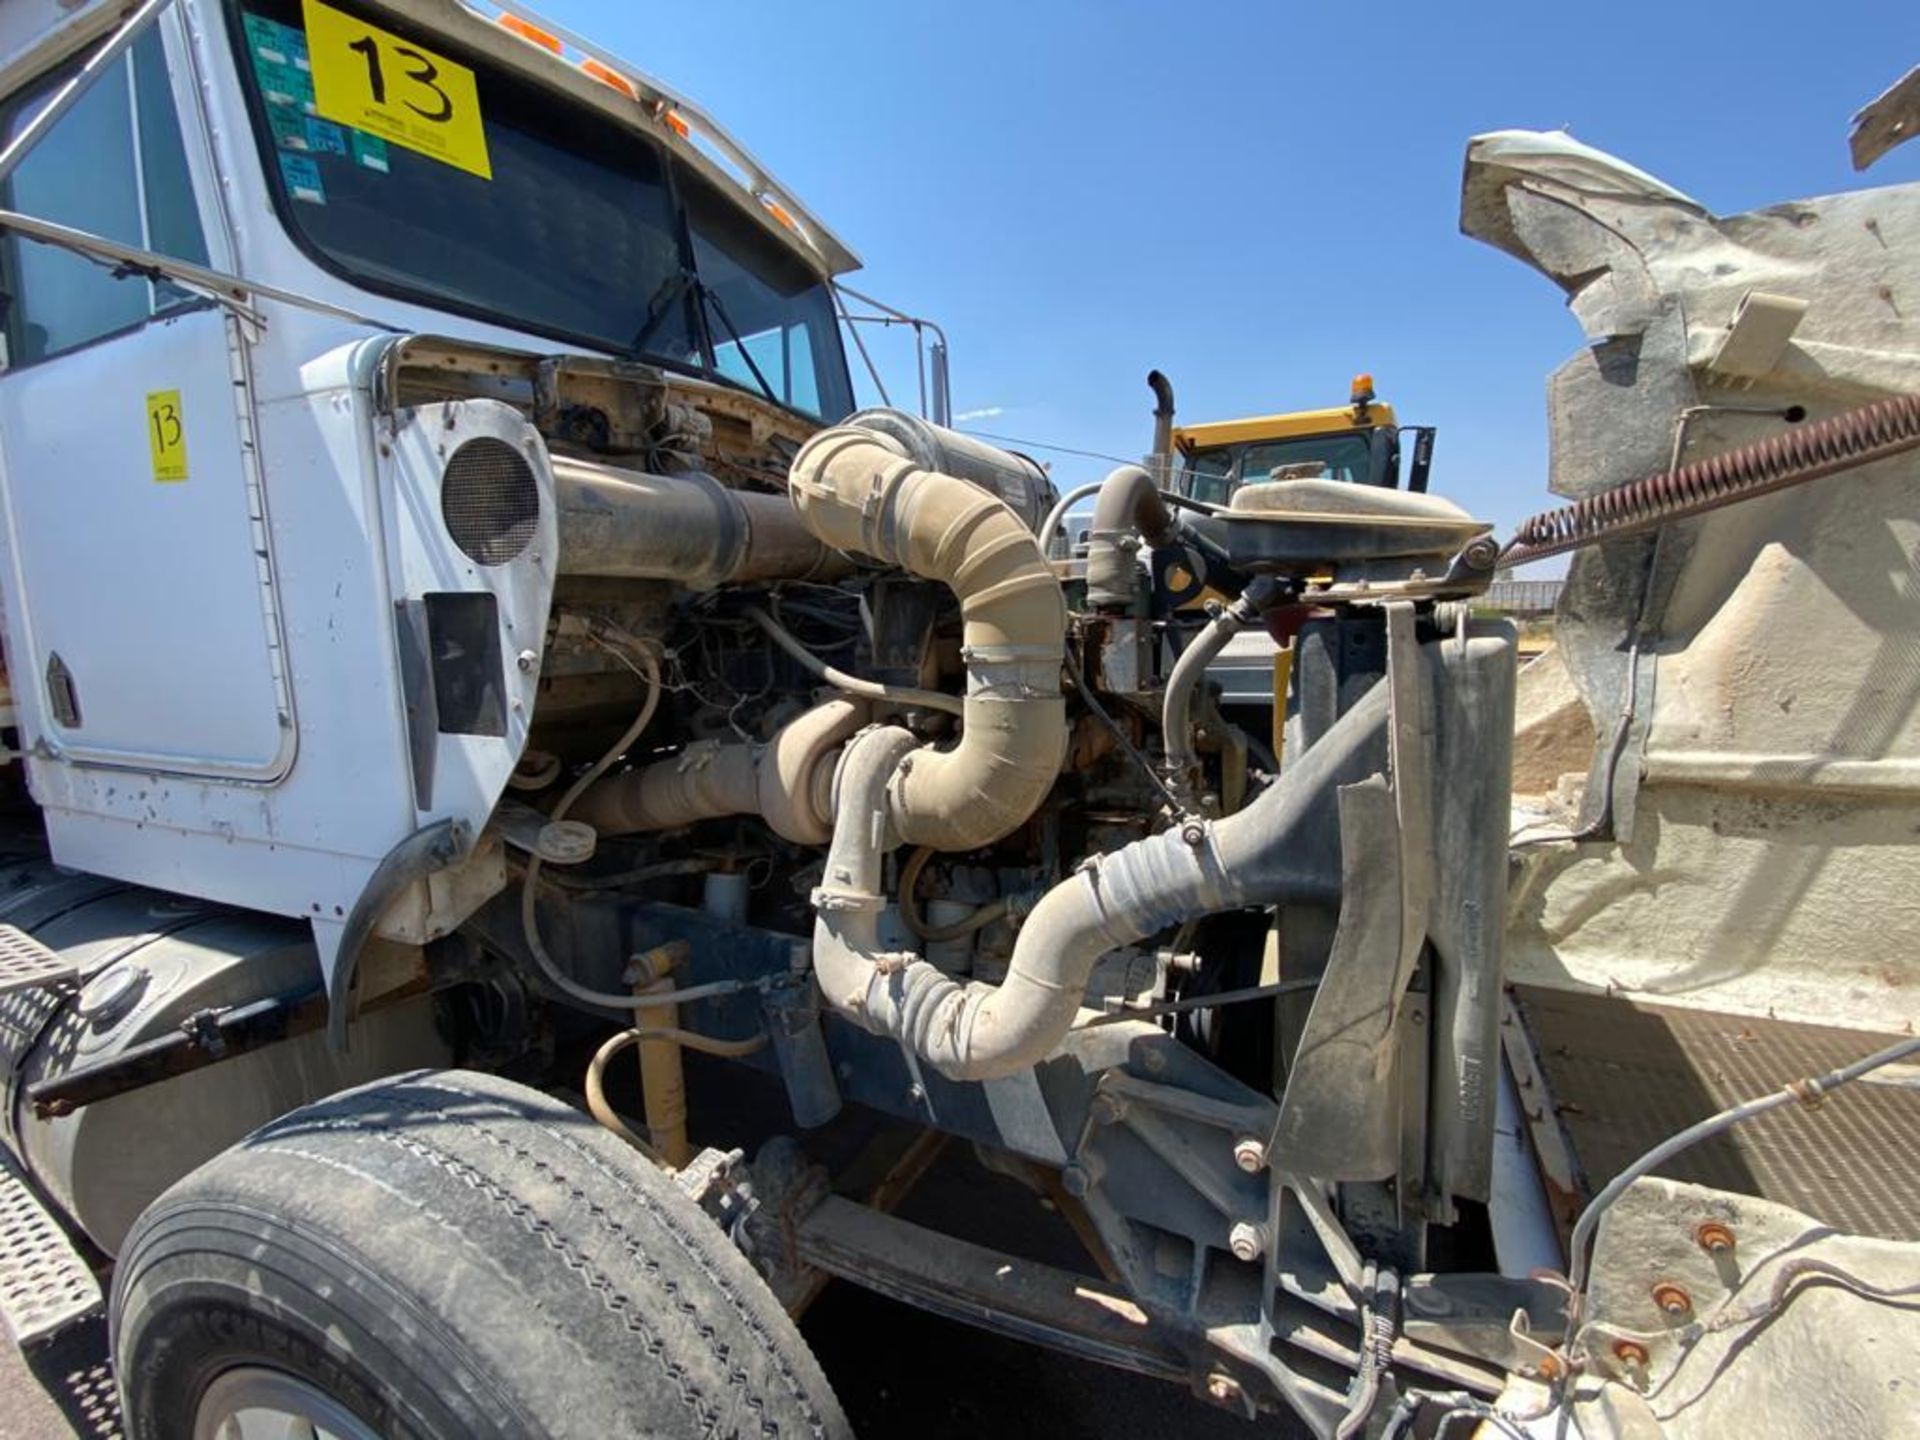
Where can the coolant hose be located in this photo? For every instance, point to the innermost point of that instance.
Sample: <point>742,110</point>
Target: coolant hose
<point>1057,515</point>
<point>1176,709</point>
<point>1129,504</point>
<point>914,920</point>
<point>1258,856</point>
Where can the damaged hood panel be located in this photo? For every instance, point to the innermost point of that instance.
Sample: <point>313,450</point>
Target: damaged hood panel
<point>1750,673</point>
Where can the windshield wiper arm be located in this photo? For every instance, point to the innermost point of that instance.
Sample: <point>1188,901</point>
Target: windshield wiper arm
<point>665,296</point>
<point>710,298</point>
<point>668,294</point>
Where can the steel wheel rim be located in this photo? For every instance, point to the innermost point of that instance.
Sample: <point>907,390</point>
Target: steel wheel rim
<point>256,1403</point>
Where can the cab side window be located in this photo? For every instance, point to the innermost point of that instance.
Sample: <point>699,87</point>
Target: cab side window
<point>1210,476</point>
<point>114,166</point>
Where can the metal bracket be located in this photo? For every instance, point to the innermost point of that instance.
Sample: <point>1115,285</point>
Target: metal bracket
<point>1344,1115</point>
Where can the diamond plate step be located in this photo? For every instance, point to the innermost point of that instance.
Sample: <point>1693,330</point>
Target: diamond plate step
<point>26,964</point>
<point>45,1285</point>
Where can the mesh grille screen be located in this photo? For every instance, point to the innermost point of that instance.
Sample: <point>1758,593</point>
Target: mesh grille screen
<point>490,501</point>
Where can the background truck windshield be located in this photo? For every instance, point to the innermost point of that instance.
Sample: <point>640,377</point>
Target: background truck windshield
<point>1213,475</point>
<point>579,232</point>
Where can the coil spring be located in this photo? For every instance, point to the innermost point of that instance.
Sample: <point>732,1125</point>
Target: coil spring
<point>1809,452</point>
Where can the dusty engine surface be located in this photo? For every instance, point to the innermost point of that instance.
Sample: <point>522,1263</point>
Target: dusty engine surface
<point>839,764</point>
<point>842,765</point>
<point>940,616</point>
<point>775,652</point>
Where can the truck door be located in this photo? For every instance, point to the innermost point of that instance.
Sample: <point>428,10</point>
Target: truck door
<point>141,622</point>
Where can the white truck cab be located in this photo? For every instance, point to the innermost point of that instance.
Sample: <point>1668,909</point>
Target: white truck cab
<point>215,703</point>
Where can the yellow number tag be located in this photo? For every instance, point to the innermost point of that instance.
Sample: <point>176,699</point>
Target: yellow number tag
<point>375,81</point>
<point>167,435</point>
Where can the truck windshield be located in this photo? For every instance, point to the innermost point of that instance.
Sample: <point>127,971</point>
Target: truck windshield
<point>1214,474</point>
<point>1340,457</point>
<point>567,224</point>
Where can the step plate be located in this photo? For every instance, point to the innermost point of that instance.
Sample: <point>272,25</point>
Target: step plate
<point>45,1285</point>
<point>26,964</point>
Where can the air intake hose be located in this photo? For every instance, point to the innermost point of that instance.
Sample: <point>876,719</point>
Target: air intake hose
<point>857,491</point>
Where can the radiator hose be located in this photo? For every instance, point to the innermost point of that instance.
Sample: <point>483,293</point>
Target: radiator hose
<point>974,1031</point>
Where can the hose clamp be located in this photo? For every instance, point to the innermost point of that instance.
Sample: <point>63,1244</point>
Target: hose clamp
<point>830,897</point>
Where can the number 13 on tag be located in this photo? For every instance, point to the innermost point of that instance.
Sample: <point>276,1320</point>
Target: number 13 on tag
<point>167,435</point>
<point>373,80</point>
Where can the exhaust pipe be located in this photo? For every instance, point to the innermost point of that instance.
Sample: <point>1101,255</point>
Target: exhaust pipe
<point>1130,505</point>
<point>689,528</point>
<point>1162,425</point>
<point>788,781</point>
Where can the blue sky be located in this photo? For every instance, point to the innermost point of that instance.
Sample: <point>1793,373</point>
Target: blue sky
<point>1259,199</point>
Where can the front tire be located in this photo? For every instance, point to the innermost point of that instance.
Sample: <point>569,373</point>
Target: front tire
<point>445,1255</point>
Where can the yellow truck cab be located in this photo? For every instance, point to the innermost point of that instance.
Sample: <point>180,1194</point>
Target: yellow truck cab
<point>1358,442</point>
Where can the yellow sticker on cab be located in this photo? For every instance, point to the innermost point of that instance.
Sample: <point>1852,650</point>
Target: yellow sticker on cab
<point>373,80</point>
<point>167,435</point>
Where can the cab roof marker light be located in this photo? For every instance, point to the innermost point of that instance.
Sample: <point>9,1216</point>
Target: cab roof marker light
<point>675,111</point>
<point>529,32</point>
<point>610,77</point>
<point>779,212</point>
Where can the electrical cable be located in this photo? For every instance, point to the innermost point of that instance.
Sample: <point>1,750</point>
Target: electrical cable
<point>1132,751</point>
<point>1727,1314</point>
<point>1379,1325</point>
<point>1200,1002</point>
<point>1809,1091</point>
<point>1187,502</point>
<point>649,668</point>
<point>660,870</point>
<point>1400,1420</point>
<point>1043,445</point>
<point>852,684</point>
